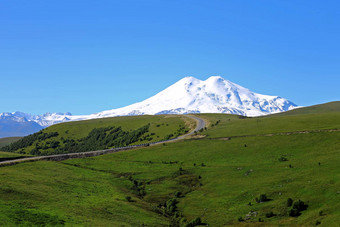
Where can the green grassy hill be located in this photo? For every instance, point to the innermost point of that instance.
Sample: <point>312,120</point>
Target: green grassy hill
<point>321,108</point>
<point>319,117</point>
<point>100,134</point>
<point>219,176</point>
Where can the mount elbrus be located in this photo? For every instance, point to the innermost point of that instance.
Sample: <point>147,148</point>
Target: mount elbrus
<point>188,95</point>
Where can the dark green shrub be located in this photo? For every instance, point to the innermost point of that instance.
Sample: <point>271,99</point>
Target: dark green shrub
<point>262,198</point>
<point>171,206</point>
<point>294,213</point>
<point>178,194</point>
<point>270,214</point>
<point>300,205</point>
<point>297,207</point>
<point>128,198</point>
<point>195,222</point>
<point>289,202</point>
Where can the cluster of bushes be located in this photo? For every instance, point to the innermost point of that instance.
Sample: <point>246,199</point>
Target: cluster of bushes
<point>295,211</point>
<point>29,140</point>
<point>169,209</point>
<point>167,137</point>
<point>170,162</point>
<point>298,206</point>
<point>147,137</point>
<point>262,198</point>
<point>182,130</point>
<point>97,139</point>
<point>216,123</point>
<point>102,138</point>
<point>138,187</point>
<point>195,222</point>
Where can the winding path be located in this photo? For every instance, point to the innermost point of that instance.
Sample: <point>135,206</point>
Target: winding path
<point>200,123</point>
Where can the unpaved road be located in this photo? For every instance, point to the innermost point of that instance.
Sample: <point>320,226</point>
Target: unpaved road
<point>200,123</point>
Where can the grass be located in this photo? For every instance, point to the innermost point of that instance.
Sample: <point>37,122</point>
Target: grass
<point>321,108</point>
<point>236,126</point>
<point>160,128</point>
<point>10,155</point>
<point>7,140</point>
<point>67,194</point>
<point>218,179</point>
<point>80,129</point>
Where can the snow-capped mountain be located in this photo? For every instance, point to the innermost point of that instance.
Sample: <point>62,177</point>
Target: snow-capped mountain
<point>44,120</point>
<point>214,95</point>
<point>22,124</point>
<point>188,95</point>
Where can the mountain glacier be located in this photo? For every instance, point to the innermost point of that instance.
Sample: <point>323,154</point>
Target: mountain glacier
<point>188,95</point>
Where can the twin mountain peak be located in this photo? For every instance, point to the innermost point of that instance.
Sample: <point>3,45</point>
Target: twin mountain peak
<point>188,95</point>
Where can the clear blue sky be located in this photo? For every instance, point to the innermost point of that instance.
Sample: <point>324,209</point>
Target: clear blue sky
<point>87,56</point>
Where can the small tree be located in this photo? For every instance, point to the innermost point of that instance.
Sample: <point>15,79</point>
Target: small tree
<point>297,207</point>
<point>262,198</point>
<point>300,205</point>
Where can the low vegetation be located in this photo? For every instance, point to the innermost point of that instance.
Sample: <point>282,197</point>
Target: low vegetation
<point>214,180</point>
<point>60,139</point>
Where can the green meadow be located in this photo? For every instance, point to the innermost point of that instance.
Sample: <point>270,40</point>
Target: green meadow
<point>238,171</point>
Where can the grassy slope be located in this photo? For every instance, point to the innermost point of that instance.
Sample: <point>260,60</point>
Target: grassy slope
<point>160,125</point>
<point>321,108</point>
<point>10,155</point>
<point>235,126</point>
<point>80,129</point>
<point>63,193</point>
<point>233,175</point>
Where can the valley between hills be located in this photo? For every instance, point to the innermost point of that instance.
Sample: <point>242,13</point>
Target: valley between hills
<point>274,170</point>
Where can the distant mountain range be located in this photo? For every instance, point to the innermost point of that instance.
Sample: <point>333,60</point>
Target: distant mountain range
<point>188,95</point>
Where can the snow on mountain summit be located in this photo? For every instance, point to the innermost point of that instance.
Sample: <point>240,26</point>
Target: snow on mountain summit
<point>188,95</point>
<point>214,95</point>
